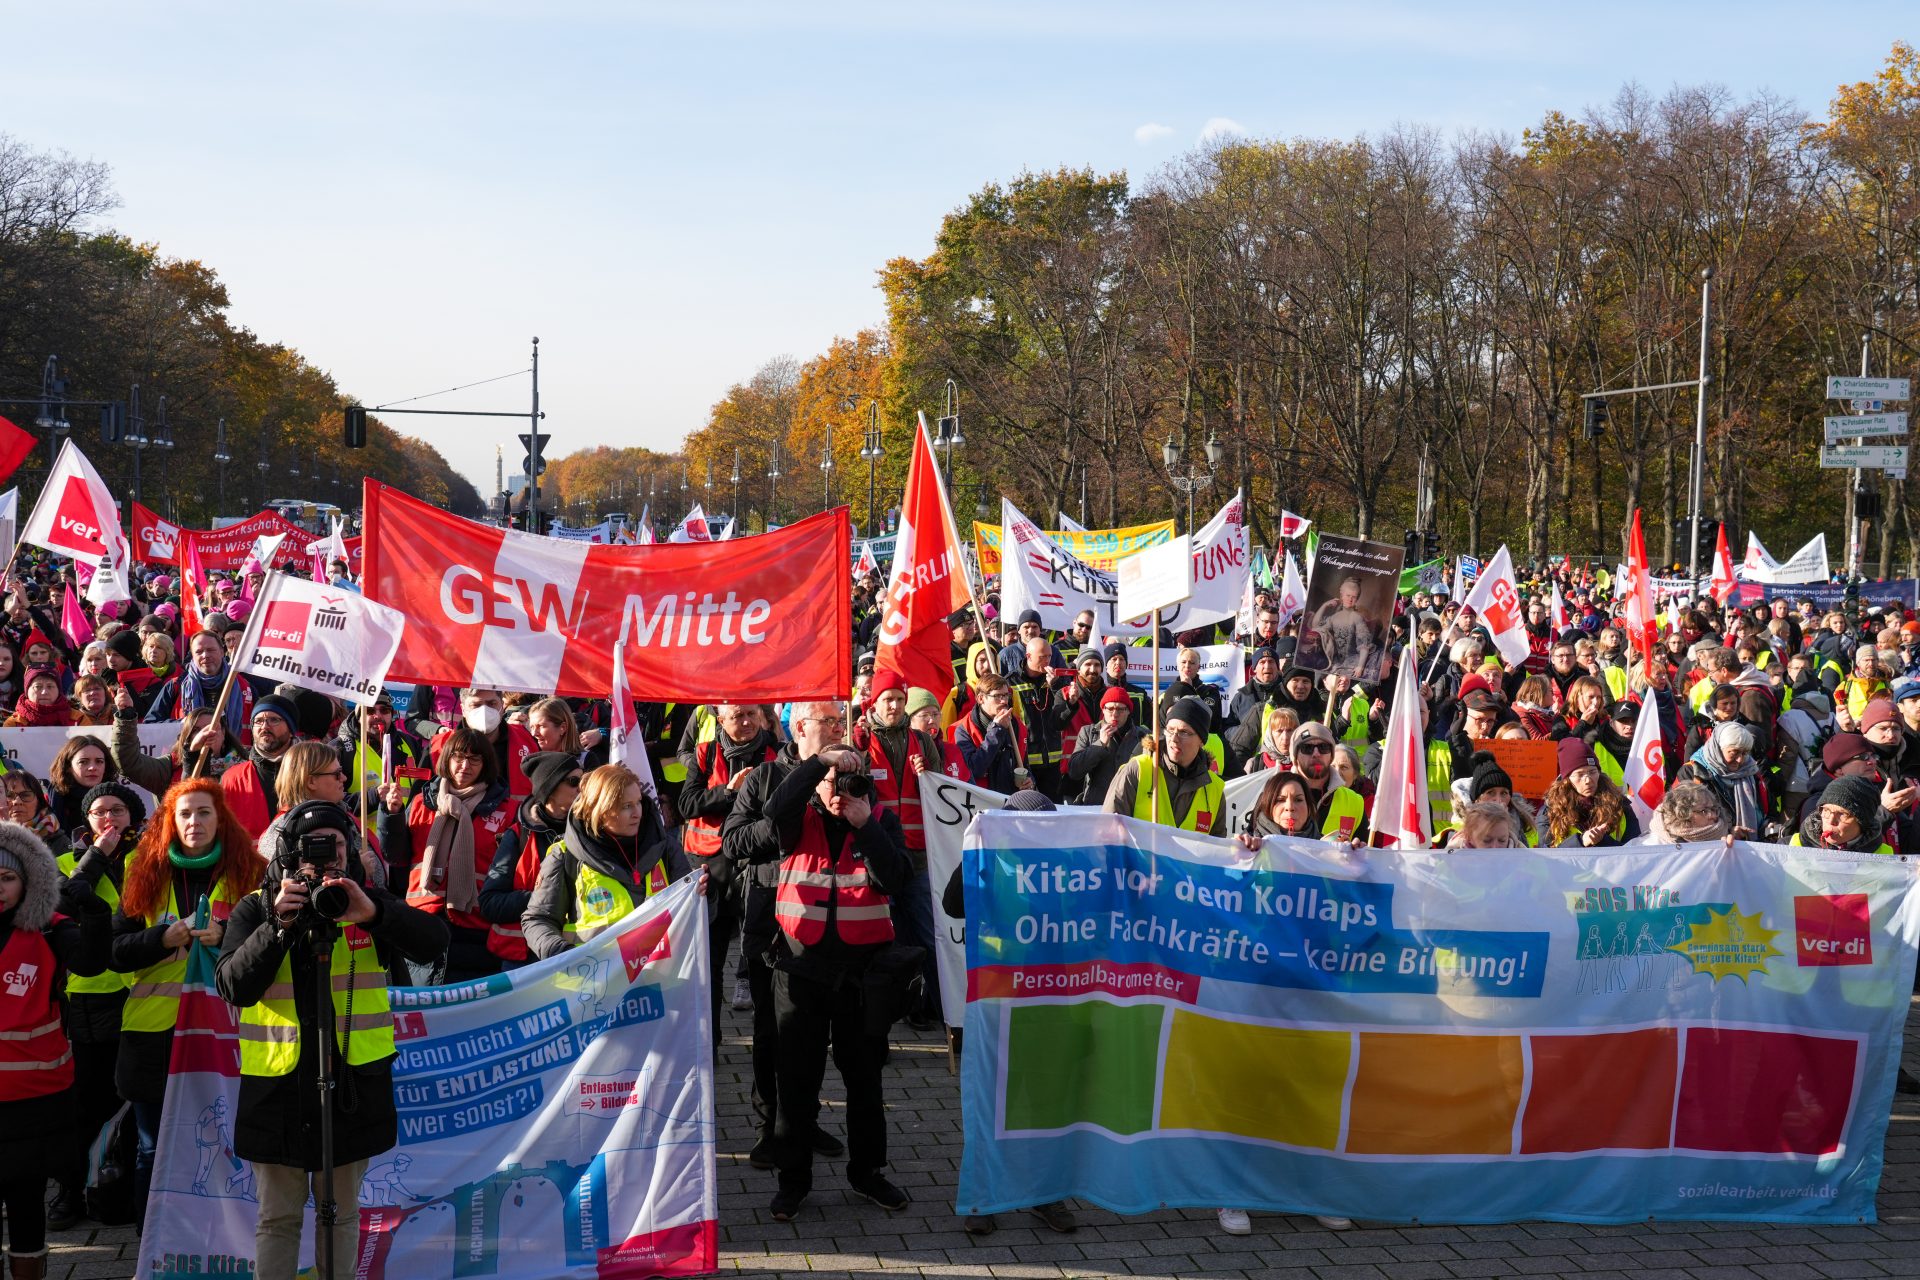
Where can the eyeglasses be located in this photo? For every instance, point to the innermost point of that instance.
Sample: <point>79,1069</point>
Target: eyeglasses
<point>1312,749</point>
<point>332,773</point>
<point>828,720</point>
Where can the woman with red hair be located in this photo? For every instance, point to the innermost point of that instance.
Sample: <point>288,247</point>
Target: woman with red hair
<point>195,849</point>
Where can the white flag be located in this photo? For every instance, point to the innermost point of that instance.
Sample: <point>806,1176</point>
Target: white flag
<point>1645,773</point>
<point>627,745</point>
<point>645,537</point>
<point>867,563</point>
<point>76,515</point>
<point>266,547</point>
<point>1291,525</point>
<point>693,528</point>
<point>1400,802</point>
<point>1496,602</point>
<point>321,637</point>
<point>1068,524</point>
<point>1557,610</point>
<point>1293,596</point>
<point>9,523</point>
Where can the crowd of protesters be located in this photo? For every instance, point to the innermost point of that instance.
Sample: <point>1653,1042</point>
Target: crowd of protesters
<point>497,831</point>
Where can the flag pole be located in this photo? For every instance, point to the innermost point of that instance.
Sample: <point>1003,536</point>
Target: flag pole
<point>1153,757</point>
<point>360,775</point>
<point>240,652</point>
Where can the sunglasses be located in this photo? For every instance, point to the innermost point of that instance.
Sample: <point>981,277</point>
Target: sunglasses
<point>1312,749</point>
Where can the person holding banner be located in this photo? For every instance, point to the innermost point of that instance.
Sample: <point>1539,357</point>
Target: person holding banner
<point>539,824</point>
<point>266,970</point>
<point>615,854</point>
<point>1585,809</point>
<point>441,843</point>
<point>193,863</point>
<point>841,864</point>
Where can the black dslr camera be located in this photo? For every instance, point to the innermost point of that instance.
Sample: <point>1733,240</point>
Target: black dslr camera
<point>855,786</point>
<point>326,903</point>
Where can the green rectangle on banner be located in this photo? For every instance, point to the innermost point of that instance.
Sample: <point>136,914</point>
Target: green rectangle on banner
<point>1086,1063</point>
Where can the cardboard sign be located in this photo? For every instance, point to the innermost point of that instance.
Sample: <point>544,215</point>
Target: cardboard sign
<point>1532,763</point>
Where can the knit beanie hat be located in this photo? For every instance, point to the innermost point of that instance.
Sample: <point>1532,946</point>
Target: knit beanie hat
<point>126,644</point>
<point>1193,713</point>
<point>919,700</point>
<point>1574,754</point>
<point>1859,797</point>
<point>1487,776</point>
<point>136,808</point>
<point>546,770</point>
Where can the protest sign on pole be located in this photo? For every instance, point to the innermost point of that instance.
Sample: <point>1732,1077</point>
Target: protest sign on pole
<point>759,620</point>
<point>1531,764</point>
<point>557,1119</point>
<point>1608,1035</point>
<point>1097,547</point>
<point>321,637</point>
<point>1350,597</point>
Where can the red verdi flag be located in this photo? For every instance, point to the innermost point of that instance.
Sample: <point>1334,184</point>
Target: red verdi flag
<point>75,515</point>
<point>15,445</point>
<point>928,581</point>
<point>1722,585</point>
<point>1642,622</point>
<point>760,620</point>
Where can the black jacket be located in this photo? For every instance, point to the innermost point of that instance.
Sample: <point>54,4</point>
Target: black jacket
<point>501,899</point>
<point>698,800</point>
<point>278,1121</point>
<point>1091,767</point>
<point>93,1017</point>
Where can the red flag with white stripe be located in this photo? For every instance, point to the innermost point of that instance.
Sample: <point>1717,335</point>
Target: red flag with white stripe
<point>1400,814</point>
<point>1722,585</point>
<point>1291,525</point>
<point>1642,622</point>
<point>628,746</point>
<point>1495,601</point>
<point>928,580</point>
<point>1557,610</point>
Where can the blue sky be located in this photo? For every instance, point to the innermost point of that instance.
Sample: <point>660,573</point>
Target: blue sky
<point>670,194</point>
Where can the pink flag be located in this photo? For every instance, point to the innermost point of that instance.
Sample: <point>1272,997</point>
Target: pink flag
<point>73,621</point>
<point>1400,813</point>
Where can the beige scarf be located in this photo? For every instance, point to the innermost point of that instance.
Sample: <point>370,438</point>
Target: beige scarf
<point>448,861</point>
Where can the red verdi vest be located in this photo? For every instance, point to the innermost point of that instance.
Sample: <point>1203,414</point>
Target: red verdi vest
<point>700,837</point>
<point>815,883</point>
<point>901,794</point>
<point>35,1059</point>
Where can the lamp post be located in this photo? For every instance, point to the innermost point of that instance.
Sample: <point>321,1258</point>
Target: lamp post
<point>262,466</point>
<point>948,432</point>
<point>1192,480</point>
<point>826,475</point>
<point>221,458</point>
<point>136,434</point>
<point>735,513</point>
<point>871,450</point>
<point>773,483</point>
<point>53,396</point>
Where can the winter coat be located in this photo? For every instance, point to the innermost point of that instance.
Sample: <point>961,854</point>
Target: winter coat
<point>551,904</point>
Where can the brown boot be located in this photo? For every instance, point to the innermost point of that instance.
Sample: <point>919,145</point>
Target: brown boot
<point>27,1266</point>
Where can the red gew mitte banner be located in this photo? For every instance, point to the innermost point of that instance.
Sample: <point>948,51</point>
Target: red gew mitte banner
<point>229,548</point>
<point>154,538</point>
<point>755,620</point>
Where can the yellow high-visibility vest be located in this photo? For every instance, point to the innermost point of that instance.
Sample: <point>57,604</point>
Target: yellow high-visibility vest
<point>362,1018</point>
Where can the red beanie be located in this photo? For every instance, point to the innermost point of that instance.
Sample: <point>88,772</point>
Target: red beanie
<point>885,680</point>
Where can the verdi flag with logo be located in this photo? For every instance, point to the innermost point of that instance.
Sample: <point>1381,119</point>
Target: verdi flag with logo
<point>15,445</point>
<point>927,582</point>
<point>321,637</point>
<point>756,620</point>
<point>75,516</point>
<point>553,1121</point>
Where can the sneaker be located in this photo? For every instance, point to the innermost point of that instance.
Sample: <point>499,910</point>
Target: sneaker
<point>742,996</point>
<point>1235,1222</point>
<point>1334,1224</point>
<point>979,1224</point>
<point>66,1208</point>
<point>1056,1215</point>
<point>786,1204</point>
<point>880,1191</point>
<point>761,1157</point>
<point>825,1144</point>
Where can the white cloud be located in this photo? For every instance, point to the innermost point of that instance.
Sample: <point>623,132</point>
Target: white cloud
<point>1147,134</point>
<point>1219,128</point>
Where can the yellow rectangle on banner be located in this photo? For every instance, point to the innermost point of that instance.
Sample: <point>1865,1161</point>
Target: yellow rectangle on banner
<point>1096,547</point>
<point>1277,1083</point>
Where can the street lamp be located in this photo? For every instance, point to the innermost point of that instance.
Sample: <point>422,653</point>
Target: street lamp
<point>948,432</point>
<point>53,396</point>
<point>826,475</point>
<point>773,483</point>
<point>870,450</point>
<point>136,434</point>
<point>735,513</point>
<point>263,465</point>
<point>221,457</point>
<point>1192,481</point>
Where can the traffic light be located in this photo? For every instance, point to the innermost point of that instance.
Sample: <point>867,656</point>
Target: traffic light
<point>1411,544</point>
<point>1596,420</point>
<point>1866,503</point>
<point>1430,546</point>
<point>113,422</point>
<point>534,464</point>
<point>356,432</point>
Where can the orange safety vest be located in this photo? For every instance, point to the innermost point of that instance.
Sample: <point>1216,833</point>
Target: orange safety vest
<point>902,795</point>
<point>35,1058</point>
<point>815,884</point>
<point>700,837</point>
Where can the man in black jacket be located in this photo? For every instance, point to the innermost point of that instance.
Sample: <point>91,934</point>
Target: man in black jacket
<point>839,865</point>
<point>716,770</point>
<point>748,843</point>
<point>266,948</point>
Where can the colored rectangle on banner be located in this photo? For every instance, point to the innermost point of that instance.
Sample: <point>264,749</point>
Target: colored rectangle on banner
<point>1073,1064</point>
<point>1608,1091</point>
<point>1435,1095</point>
<point>1282,1084</point>
<point>1764,1091</point>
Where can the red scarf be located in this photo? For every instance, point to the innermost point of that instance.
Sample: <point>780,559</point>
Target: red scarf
<point>32,715</point>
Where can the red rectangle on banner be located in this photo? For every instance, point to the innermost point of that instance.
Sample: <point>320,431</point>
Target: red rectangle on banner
<point>1765,1091</point>
<point>759,619</point>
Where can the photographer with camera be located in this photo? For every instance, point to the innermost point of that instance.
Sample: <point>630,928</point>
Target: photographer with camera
<point>316,924</point>
<point>841,862</point>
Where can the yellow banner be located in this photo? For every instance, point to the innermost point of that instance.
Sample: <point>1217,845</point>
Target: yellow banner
<point>1097,547</point>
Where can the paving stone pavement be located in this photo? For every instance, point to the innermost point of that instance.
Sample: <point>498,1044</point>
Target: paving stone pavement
<point>840,1236</point>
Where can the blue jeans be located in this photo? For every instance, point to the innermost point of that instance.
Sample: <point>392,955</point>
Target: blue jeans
<point>146,1120</point>
<point>913,920</point>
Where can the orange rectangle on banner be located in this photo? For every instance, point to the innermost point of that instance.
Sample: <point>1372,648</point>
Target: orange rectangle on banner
<point>1431,1095</point>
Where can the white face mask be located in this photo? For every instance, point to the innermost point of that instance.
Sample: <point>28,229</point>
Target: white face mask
<point>483,718</point>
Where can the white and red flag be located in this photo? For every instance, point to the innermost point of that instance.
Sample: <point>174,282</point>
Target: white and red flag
<point>867,563</point>
<point>320,637</point>
<point>75,516</point>
<point>1643,624</point>
<point>1557,610</point>
<point>1293,596</point>
<point>927,583</point>
<point>627,745</point>
<point>692,529</point>
<point>1722,584</point>
<point>759,620</point>
<point>1291,525</point>
<point>154,539</point>
<point>1495,601</point>
<point>1645,774</point>
<point>1400,806</point>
